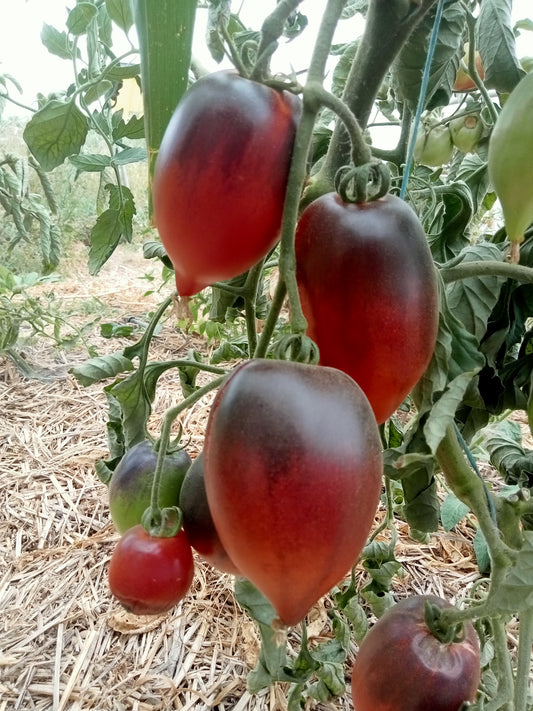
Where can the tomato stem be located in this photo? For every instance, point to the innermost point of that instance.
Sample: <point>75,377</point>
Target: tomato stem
<point>155,511</point>
<point>271,320</point>
<point>271,30</point>
<point>466,270</point>
<point>523,670</point>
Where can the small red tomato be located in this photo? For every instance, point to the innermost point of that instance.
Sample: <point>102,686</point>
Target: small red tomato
<point>150,574</point>
<point>402,666</point>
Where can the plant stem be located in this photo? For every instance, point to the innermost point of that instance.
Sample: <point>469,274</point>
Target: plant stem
<point>271,320</point>
<point>465,270</point>
<point>271,31</point>
<point>503,699</point>
<point>388,25</point>
<point>302,144</point>
<point>472,68</point>
<point>469,488</point>
<point>166,426</point>
<point>525,641</point>
<point>250,299</point>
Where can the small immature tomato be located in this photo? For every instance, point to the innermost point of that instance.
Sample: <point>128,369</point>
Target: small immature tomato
<point>402,666</point>
<point>466,132</point>
<point>150,574</point>
<point>434,147</point>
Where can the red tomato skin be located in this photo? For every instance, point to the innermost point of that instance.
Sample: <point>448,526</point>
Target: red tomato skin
<point>368,289</point>
<point>148,574</point>
<point>401,666</point>
<point>220,177</point>
<point>293,468</point>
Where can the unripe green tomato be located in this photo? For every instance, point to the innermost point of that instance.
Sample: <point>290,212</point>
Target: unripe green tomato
<point>434,147</point>
<point>130,488</point>
<point>466,132</point>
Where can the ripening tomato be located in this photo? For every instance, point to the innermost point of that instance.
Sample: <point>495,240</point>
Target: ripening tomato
<point>463,80</point>
<point>402,666</point>
<point>150,574</point>
<point>220,177</point>
<point>130,488</point>
<point>368,289</point>
<point>293,468</point>
<point>198,522</point>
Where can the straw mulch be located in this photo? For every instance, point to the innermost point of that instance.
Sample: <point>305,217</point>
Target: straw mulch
<point>64,642</point>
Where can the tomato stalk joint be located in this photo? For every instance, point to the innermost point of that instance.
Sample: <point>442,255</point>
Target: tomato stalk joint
<point>363,183</point>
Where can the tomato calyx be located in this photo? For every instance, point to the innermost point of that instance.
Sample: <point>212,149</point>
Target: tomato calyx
<point>363,183</point>
<point>440,627</point>
<point>296,347</point>
<point>162,523</point>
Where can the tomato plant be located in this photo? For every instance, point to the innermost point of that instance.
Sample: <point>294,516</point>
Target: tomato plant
<point>369,293</point>
<point>434,147</point>
<point>288,444</point>
<point>150,574</point>
<point>197,520</point>
<point>402,666</point>
<point>239,171</point>
<point>130,487</point>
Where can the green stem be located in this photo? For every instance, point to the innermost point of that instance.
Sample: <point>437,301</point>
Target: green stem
<point>271,320</point>
<point>166,427</point>
<point>466,270</point>
<point>388,25</point>
<point>302,145</point>
<point>250,301</point>
<point>525,641</point>
<point>504,696</point>
<point>271,31</point>
<point>470,489</point>
<point>472,69</point>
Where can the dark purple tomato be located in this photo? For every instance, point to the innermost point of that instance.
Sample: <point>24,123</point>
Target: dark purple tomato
<point>220,177</point>
<point>368,289</point>
<point>197,520</point>
<point>402,666</point>
<point>149,574</point>
<point>293,466</point>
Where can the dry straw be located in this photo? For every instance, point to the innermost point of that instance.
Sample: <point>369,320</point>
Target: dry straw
<point>65,644</point>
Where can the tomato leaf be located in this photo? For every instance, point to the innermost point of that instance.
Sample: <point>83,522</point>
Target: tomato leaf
<point>497,46</point>
<point>113,224</point>
<point>472,300</point>
<point>120,12</point>
<point>56,131</point>
<point>447,228</point>
<point>503,442</point>
<point>409,66</point>
<point>91,162</point>
<point>133,128</point>
<point>80,17</point>
<point>452,511</point>
<point>135,407</point>
<point>58,43</point>
<point>516,591</point>
<point>101,368</point>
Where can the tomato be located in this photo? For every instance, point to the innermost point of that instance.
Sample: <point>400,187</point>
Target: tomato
<point>197,520</point>
<point>466,132</point>
<point>434,147</point>
<point>220,177</point>
<point>150,574</point>
<point>463,80</point>
<point>369,292</point>
<point>130,488</point>
<point>402,666</point>
<point>293,468</point>
<point>509,159</point>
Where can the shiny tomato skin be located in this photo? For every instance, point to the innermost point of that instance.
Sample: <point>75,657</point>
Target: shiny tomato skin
<point>220,177</point>
<point>293,466</point>
<point>130,487</point>
<point>198,522</point>
<point>401,666</point>
<point>368,289</point>
<point>148,574</point>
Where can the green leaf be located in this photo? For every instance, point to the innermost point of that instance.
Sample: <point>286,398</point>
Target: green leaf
<point>452,511</point>
<point>101,368</point>
<point>116,330</point>
<point>153,249</point>
<point>409,65</point>
<point>135,406</point>
<point>516,591</point>
<point>447,231</point>
<point>129,155</point>
<point>133,128</point>
<point>120,12</point>
<point>503,442</point>
<point>497,46</point>
<point>56,131</point>
<point>472,300</point>
<point>58,43</point>
<point>113,224</point>
<point>481,551</point>
<point>80,17</point>
<point>91,162</point>
<point>97,90</point>
<point>119,72</point>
